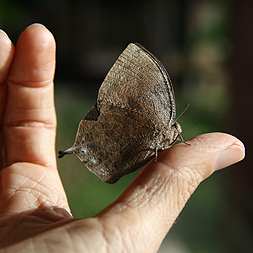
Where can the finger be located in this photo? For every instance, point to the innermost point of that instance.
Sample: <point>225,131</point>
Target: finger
<point>6,56</point>
<point>148,208</point>
<point>30,120</point>
<point>29,127</point>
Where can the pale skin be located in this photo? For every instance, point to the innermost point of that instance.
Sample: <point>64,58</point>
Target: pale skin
<point>34,212</point>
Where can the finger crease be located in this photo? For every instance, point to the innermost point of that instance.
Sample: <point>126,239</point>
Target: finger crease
<point>31,84</point>
<point>30,124</point>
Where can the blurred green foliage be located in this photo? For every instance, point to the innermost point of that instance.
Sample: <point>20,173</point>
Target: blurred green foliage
<point>203,84</point>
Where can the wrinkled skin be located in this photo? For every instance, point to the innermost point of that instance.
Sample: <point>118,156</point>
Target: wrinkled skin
<point>34,212</point>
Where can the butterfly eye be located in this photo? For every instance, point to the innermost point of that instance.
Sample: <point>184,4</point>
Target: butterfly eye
<point>83,151</point>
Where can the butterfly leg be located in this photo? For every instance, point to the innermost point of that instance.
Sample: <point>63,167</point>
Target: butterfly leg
<point>156,153</point>
<point>182,139</point>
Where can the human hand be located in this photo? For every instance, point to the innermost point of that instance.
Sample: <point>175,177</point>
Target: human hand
<point>34,212</point>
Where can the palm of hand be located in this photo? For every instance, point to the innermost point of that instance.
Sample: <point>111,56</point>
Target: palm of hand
<point>34,213</point>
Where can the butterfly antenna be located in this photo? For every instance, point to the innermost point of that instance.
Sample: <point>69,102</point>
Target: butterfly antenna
<point>179,116</point>
<point>183,112</point>
<point>65,152</point>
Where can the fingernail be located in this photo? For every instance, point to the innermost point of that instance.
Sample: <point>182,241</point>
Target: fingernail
<point>3,34</point>
<point>35,25</point>
<point>230,155</point>
<point>61,212</point>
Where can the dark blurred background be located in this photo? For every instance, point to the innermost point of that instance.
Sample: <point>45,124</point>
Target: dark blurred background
<point>206,47</point>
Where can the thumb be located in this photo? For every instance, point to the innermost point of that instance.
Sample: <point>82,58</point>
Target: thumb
<point>147,209</point>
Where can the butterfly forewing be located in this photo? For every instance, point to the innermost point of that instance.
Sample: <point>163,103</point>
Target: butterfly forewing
<point>138,80</point>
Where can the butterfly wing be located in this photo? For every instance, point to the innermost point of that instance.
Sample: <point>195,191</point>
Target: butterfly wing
<point>138,81</point>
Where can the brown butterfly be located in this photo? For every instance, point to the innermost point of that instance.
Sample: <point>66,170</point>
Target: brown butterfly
<point>134,117</point>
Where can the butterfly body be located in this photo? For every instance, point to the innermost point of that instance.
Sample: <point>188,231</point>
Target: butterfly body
<point>134,117</point>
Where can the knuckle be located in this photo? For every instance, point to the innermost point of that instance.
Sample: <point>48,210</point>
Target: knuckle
<point>187,181</point>
<point>179,183</point>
